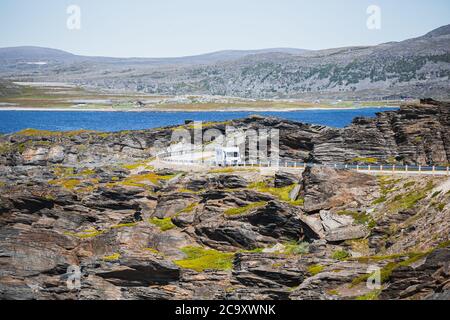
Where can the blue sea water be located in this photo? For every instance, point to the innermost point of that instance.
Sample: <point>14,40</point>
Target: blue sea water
<point>13,121</point>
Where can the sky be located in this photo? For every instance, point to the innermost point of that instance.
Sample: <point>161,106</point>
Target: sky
<point>168,28</point>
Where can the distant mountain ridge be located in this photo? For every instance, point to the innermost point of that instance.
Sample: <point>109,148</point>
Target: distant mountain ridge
<point>34,53</point>
<point>42,53</point>
<point>416,68</point>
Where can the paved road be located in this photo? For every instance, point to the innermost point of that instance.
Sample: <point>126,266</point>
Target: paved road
<point>193,163</point>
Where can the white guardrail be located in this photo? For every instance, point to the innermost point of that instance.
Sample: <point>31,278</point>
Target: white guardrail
<point>396,169</point>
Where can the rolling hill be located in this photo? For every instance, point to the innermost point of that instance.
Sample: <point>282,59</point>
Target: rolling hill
<point>414,68</point>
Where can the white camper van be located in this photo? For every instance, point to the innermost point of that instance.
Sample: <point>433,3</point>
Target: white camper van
<point>228,156</point>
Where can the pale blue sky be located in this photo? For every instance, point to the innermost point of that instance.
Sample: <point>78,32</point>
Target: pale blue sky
<point>156,28</point>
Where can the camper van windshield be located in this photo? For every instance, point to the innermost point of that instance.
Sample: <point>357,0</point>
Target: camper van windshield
<point>233,154</point>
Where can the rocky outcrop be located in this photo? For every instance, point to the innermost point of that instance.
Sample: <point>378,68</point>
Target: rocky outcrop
<point>136,230</point>
<point>171,204</point>
<point>414,135</point>
<point>284,179</point>
<point>326,188</point>
<point>426,279</point>
<point>139,272</point>
<point>267,271</point>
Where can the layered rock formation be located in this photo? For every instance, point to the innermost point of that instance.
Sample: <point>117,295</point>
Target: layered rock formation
<point>91,216</point>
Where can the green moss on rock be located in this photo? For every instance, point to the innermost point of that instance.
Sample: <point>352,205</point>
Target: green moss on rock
<point>163,224</point>
<point>340,255</point>
<point>113,257</point>
<point>408,200</point>
<point>244,209</point>
<point>364,160</point>
<point>281,193</point>
<point>201,259</point>
<point>315,269</point>
<point>360,217</point>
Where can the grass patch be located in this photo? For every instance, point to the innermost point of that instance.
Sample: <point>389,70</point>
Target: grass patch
<point>409,184</point>
<point>46,133</point>
<point>360,218</point>
<point>92,233</point>
<point>280,193</point>
<point>441,206</point>
<point>163,224</point>
<point>142,164</point>
<point>6,148</point>
<point>200,259</point>
<point>85,234</point>
<point>152,250</point>
<point>142,180</point>
<point>124,225</point>
<point>333,292</point>
<point>68,181</point>
<point>223,170</point>
<point>340,255</point>
<point>244,209</point>
<point>296,248</point>
<point>364,160</point>
<point>380,200</point>
<point>184,190</point>
<point>113,257</point>
<point>387,270</point>
<point>256,250</point>
<point>408,200</point>
<point>189,208</point>
<point>64,172</point>
<point>387,186</point>
<point>69,184</point>
<point>289,248</point>
<point>231,170</point>
<point>203,126</point>
<point>315,269</point>
<point>87,172</point>
<point>372,295</point>
<point>361,246</point>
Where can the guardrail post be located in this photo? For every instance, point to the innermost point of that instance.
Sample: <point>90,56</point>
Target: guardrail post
<point>420,168</point>
<point>346,166</point>
<point>381,167</point>
<point>434,169</point>
<point>393,168</point>
<point>368,167</point>
<point>406,168</point>
<point>357,167</point>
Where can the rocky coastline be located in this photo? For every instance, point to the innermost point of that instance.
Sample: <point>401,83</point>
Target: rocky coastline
<point>92,215</point>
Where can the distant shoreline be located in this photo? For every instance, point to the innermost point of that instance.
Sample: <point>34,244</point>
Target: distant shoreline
<point>191,110</point>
